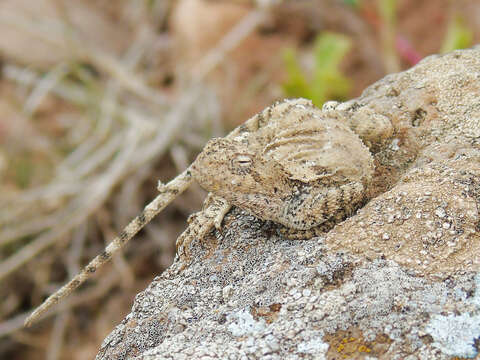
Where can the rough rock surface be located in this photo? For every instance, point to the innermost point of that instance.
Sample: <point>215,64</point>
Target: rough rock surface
<point>398,280</point>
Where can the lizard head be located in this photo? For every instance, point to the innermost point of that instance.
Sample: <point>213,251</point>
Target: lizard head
<point>228,167</point>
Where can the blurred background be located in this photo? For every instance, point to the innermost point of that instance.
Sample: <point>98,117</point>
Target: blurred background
<point>101,99</point>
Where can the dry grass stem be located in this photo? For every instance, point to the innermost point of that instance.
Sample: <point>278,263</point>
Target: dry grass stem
<point>103,286</point>
<point>57,336</point>
<point>229,42</point>
<point>43,88</point>
<point>49,30</point>
<point>77,211</point>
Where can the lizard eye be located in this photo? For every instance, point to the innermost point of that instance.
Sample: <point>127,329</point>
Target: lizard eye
<point>243,160</point>
<point>241,163</point>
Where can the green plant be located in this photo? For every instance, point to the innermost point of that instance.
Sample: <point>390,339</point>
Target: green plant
<point>352,3</point>
<point>387,10</point>
<point>326,80</point>
<point>458,36</point>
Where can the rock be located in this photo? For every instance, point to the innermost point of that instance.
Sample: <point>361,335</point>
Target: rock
<point>398,280</point>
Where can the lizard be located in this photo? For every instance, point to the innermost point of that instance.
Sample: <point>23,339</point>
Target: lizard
<point>292,163</point>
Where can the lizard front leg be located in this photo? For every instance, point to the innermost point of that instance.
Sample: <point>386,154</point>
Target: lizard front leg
<point>200,223</point>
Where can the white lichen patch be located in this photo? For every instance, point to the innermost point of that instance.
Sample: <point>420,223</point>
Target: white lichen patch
<point>243,323</point>
<point>315,347</point>
<point>455,335</point>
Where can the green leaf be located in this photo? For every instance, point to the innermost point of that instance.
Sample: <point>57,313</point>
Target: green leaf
<point>458,35</point>
<point>296,84</point>
<point>326,81</point>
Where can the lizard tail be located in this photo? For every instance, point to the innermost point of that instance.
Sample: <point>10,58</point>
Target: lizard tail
<point>167,194</point>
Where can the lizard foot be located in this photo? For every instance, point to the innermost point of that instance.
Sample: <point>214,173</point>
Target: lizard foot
<point>200,223</point>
